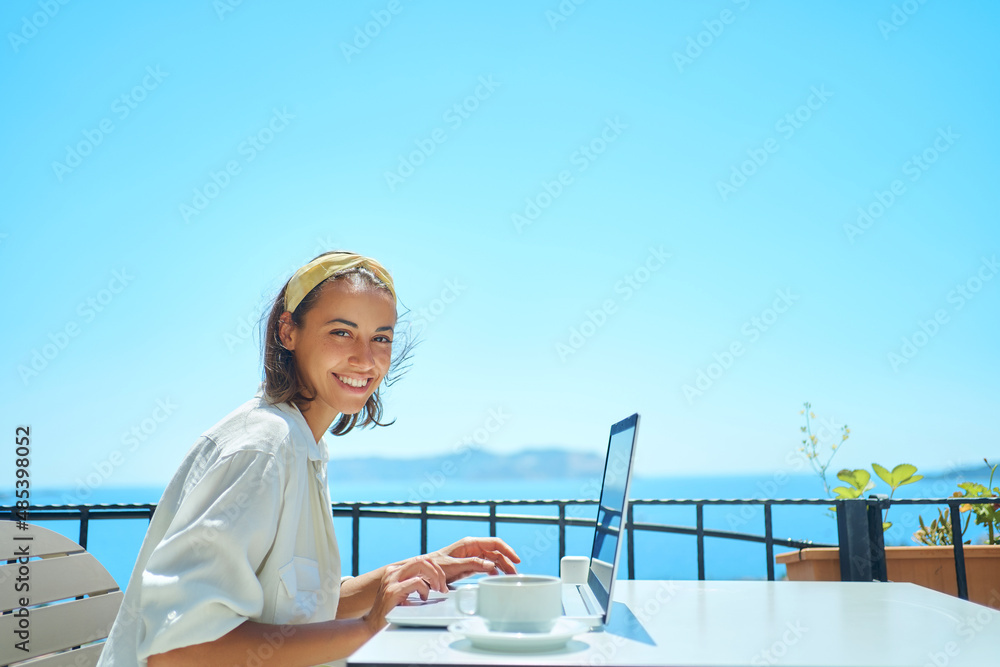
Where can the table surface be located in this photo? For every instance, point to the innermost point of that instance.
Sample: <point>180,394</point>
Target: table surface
<point>730,623</point>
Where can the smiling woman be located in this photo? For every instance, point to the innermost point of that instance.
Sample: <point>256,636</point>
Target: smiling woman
<point>240,562</point>
<point>332,328</point>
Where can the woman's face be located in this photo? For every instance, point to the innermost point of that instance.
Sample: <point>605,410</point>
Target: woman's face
<point>343,348</point>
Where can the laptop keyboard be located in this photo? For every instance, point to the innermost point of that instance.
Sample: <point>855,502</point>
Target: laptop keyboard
<point>573,603</point>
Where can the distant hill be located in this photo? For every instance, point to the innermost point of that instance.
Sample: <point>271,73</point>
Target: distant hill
<point>474,464</point>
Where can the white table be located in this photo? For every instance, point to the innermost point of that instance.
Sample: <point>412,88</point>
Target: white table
<point>702,623</point>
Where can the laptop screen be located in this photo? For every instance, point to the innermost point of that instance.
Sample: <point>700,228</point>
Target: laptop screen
<point>611,511</point>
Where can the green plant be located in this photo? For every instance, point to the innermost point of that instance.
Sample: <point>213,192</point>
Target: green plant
<point>860,481</point>
<point>812,446</point>
<point>939,532</point>
<point>986,514</point>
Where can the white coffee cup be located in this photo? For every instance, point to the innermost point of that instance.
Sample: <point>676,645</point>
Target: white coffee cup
<point>574,569</point>
<point>513,602</point>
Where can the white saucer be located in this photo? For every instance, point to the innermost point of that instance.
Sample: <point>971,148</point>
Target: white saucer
<point>475,630</point>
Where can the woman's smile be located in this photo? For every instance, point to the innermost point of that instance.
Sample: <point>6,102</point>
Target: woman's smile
<point>358,384</point>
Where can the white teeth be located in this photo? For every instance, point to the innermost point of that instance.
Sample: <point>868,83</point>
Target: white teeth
<point>352,382</point>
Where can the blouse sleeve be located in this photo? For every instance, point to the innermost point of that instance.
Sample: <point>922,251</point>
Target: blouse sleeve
<point>200,581</point>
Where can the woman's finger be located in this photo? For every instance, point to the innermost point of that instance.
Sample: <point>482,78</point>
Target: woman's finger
<point>426,568</point>
<point>484,545</point>
<point>503,563</point>
<point>407,586</point>
<point>391,594</point>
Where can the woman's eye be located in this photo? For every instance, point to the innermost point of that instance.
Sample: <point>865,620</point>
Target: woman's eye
<point>340,332</point>
<point>383,339</point>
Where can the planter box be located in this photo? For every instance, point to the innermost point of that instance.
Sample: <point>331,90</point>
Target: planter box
<point>932,567</point>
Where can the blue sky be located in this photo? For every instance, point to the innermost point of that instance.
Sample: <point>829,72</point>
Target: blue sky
<point>705,212</point>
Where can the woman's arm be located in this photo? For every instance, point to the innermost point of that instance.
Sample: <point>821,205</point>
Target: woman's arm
<point>314,643</point>
<point>273,645</point>
<point>470,555</point>
<point>357,594</point>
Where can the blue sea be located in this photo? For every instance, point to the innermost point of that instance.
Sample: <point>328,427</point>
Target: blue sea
<point>658,556</point>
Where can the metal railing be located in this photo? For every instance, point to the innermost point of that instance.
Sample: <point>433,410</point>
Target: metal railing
<point>489,512</point>
<point>861,539</point>
<point>425,512</point>
<point>862,551</point>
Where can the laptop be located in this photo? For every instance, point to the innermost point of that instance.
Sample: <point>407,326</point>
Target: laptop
<point>588,603</point>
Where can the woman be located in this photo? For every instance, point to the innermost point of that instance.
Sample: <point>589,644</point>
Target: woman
<point>240,563</point>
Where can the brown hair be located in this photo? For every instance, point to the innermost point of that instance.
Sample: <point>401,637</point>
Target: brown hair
<point>281,379</point>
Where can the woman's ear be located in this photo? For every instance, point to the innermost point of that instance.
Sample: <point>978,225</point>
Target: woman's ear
<point>287,331</point>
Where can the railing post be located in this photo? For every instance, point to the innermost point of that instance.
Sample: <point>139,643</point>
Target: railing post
<point>84,526</point>
<point>355,539</point>
<point>562,530</point>
<point>630,537</point>
<point>859,533</point>
<point>699,522</point>
<point>768,541</point>
<point>423,528</point>
<point>876,535</point>
<point>955,508</point>
<point>493,518</point>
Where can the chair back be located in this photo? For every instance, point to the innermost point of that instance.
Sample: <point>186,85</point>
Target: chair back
<point>57,600</point>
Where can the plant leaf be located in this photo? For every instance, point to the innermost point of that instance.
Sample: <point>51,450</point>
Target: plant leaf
<point>883,474</point>
<point>859,479</point>
<point>974,490</point>
<point>901,473</point>
<point>847,492</point>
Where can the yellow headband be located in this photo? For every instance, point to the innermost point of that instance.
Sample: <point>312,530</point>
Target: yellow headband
<point>321,268</point>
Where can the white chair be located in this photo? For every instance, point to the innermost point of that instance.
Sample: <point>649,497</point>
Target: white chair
<point>71,600</point>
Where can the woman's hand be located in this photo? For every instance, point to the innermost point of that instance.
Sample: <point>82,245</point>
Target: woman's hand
<point>421,574</point>
<point>433,571</point>
<point>472,555</point>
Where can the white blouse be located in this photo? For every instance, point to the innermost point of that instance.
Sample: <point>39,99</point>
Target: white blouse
<point>243,531</point>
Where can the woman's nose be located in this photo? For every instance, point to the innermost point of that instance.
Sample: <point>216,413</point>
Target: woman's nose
<point>362,355</point>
